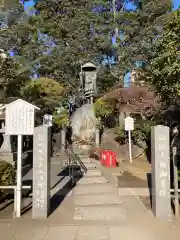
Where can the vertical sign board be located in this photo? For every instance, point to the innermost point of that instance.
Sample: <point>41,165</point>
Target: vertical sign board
<point>160,160</point>
<point>41,172</point>
<point>19,121</point>
<point>19,118</point>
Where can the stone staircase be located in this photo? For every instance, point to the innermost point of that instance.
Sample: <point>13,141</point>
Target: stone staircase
<point>95,199</point>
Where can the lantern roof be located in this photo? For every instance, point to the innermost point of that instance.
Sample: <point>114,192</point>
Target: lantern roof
<point>89,67</point>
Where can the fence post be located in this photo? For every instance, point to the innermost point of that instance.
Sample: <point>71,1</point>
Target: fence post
<point>175,178</point>
<point>63,139</point>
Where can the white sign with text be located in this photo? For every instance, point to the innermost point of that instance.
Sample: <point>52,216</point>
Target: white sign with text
<point>129,124</point>
<point>19,120</point>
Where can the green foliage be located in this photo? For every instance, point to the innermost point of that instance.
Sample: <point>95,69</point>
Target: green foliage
<point>121,138</point>
<point>67,24</point>
<point>62,119</point>
<point>83,35</point>
<point>7,174</point>
<point>165,65</point>
<point>140,133</point>
<point>139,29</point>
<point>105,80</point>
<point>10,80</point>
<point>102,108</point>
<point>142,130</point>
<point>43,92</point>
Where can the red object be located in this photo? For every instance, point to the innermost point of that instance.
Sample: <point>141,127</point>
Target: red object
<point>108,158</point>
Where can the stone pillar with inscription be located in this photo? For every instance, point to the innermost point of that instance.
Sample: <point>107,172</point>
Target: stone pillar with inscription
<point>160,160</point>
<point>41,172</point>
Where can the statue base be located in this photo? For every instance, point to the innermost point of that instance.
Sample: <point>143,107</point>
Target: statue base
<point>9,157</point>
<point>81,149</point>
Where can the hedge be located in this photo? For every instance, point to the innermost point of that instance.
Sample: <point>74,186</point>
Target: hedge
<point>7,176</point>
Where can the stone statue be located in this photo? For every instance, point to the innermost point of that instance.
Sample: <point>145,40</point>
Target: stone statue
<point>83,122</point>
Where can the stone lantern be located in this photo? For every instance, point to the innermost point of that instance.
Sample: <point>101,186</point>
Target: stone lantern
<point>88,81</point>
<point>8,148</point>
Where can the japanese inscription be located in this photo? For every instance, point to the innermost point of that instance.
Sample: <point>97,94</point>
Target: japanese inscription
<point>41,171</point>
<point>160,153</point>
<point>163,174</point>
<point>19,118</point>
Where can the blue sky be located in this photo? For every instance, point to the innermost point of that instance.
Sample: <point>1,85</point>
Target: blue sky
<point>176,3</point>
<point>30,3</point>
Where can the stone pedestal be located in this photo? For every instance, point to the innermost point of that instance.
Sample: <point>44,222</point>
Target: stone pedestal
<point>81,149</point>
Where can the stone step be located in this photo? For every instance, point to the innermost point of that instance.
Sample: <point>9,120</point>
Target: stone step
<point>90,165</point>
<point>91,180</point>
<point>93,173</point>
<point>86,160</point>
<point>96,199</point>
<point>94,188</point>
<point>89,173</point>
<point>102,213</point>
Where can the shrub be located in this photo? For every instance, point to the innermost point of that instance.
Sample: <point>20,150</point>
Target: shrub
<point>102,108</point>
<point>7,176</point>
<point>62,119</point>
<point>140,133</point>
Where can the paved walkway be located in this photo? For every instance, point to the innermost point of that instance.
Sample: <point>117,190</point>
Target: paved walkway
<point>93,210</point>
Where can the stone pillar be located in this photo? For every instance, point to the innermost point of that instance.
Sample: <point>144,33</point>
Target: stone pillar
<point>160,160</point>
<point>63,139</point>
<point>41,172</point>
<point>97,138</point>
<point>121,120</point>
<point>7,150</point>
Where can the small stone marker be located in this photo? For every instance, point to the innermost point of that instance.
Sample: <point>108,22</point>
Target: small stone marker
<point>41,172</point>
<point>47,120</point>
<point>97,138</point>
<point>160,160</point>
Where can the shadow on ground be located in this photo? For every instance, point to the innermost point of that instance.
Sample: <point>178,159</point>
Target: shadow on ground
<point>59,196</point>
<point>128,180</point>
<point>7,208</point>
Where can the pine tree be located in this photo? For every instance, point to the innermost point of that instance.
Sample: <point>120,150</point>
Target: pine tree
<point>139,29</point>
<point>75,31</point>
<point>165,70</point>
<point>62,35</point>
